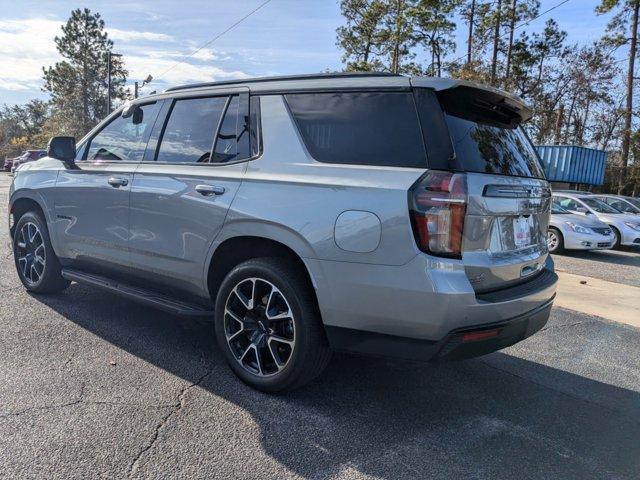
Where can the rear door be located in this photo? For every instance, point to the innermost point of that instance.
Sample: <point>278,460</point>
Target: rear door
<point>508,199</point>
<point>92,200</point>
<point>181,193</point>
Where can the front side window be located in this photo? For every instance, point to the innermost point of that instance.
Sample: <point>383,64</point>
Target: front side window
<point>189,132</point>
<point>124,138</point>
<point>360,128</point>
<point>567,203</point>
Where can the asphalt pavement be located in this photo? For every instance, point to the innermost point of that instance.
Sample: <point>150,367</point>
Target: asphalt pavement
<point>95,386</point>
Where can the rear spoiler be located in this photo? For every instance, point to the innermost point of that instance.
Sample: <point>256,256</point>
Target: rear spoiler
<point>477,102</point>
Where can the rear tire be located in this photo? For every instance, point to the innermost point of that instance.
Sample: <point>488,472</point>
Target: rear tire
<point>268,325</point>
<point>36,262</point>
<point>555,241</point>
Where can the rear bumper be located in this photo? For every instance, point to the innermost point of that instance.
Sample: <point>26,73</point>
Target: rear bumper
<point>456,345</point>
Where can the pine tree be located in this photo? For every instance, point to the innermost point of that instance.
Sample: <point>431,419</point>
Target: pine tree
<point>78,84</point>
<point>361,38</point>
<point>623,30</point>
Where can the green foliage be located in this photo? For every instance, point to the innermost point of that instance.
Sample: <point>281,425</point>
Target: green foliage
<point>78,84</point>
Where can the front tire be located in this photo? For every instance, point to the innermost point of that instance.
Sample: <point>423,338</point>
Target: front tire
<point>616,237</point>
<point>268,325</point>
<point>555,242</point>
<point>36,262</point>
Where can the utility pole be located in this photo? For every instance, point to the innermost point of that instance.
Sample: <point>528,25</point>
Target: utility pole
<point>144,82</point>
<point>109,56</point>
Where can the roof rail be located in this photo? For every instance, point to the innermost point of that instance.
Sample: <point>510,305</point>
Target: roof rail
<point>311,76</point>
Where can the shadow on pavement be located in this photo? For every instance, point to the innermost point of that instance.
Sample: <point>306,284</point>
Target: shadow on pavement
<point>501,416</point>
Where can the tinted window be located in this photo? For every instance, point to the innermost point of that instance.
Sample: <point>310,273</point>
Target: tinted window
<point>367,128</point>
<point>188,134</point>
<point>487,148</point>
<point>256,139</point>
<point>122,139</point>
<point>567,203</point>
<point>598,205</point>
<point>233,138</point>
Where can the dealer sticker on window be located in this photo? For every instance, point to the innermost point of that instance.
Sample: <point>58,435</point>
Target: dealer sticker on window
<point>521,232</point>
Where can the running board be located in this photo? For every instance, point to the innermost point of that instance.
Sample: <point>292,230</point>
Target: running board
<point>147,297</point>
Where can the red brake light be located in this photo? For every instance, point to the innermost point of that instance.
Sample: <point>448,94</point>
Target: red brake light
<point>437,205</point>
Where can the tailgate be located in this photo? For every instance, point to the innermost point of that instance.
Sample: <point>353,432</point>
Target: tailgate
<point>505,230</point>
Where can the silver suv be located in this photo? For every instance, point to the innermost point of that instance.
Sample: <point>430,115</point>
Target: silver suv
<point>369,213</point>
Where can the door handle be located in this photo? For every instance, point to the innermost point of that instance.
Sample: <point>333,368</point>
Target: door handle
<point>117,182</point>
<point>208,190</point>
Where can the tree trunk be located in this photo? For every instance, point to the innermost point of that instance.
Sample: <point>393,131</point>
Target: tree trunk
<point>395,61</point>
<point>559,121</point>
<point>496,42</point>
<point>512,26</point>
<point>626,133</point>
<point>470,38</point>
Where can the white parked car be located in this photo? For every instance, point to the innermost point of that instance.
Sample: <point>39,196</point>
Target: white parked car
<point>576,232</point>
<point>625,227</point>
<point>622,203</point>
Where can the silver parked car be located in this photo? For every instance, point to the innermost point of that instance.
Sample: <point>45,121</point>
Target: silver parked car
<point>622,203</point>
<point>576,232</point>
<point>625,227</point>
<point>370,213</point>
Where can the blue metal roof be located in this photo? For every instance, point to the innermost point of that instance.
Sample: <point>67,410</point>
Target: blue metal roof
<point>573,164</point>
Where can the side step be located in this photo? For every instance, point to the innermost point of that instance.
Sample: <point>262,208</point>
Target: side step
<point>148,297</point>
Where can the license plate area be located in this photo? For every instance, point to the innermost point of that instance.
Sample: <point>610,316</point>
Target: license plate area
<point>522,227</point>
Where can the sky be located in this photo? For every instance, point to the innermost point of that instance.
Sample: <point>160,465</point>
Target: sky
<point>283,37</point>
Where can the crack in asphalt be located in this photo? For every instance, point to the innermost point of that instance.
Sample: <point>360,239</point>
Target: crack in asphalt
<point>77,401</point>
<point>176,408</point>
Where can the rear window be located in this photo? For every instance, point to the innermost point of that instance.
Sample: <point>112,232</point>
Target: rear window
<point>360,128</point>
<point>487,148</point>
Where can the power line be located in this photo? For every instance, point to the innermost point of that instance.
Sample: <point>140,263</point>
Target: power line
<point>215,38</point>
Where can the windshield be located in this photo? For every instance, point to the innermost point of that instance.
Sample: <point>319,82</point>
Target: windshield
<point>598,205</point>
<point>486,148</point>
<point>634,201</point>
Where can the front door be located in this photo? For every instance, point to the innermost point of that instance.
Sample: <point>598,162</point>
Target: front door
<point>180,195</point>
<point>92,200</point>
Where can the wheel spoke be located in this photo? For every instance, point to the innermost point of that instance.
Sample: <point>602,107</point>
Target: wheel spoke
<point>279,339</point>
<point>247,302</point>
<point>276,358</point>
<point>258,360</point>
<point>253,305</point>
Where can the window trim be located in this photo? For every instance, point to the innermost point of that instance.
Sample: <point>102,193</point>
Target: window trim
<point>86,144</point>
<point>173,100</point>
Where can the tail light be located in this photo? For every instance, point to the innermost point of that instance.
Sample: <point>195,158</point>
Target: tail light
<point>437,205</point>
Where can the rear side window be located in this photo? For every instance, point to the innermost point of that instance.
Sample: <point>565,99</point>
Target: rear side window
<point>232,142</point>
<point>122,139</point>
<point>190,130</point>
<point>363,128</point>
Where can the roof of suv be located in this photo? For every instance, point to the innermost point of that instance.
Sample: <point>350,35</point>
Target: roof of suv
<point>341,81</point>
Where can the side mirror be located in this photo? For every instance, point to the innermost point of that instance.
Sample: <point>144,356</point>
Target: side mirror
<point>62,148</point>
